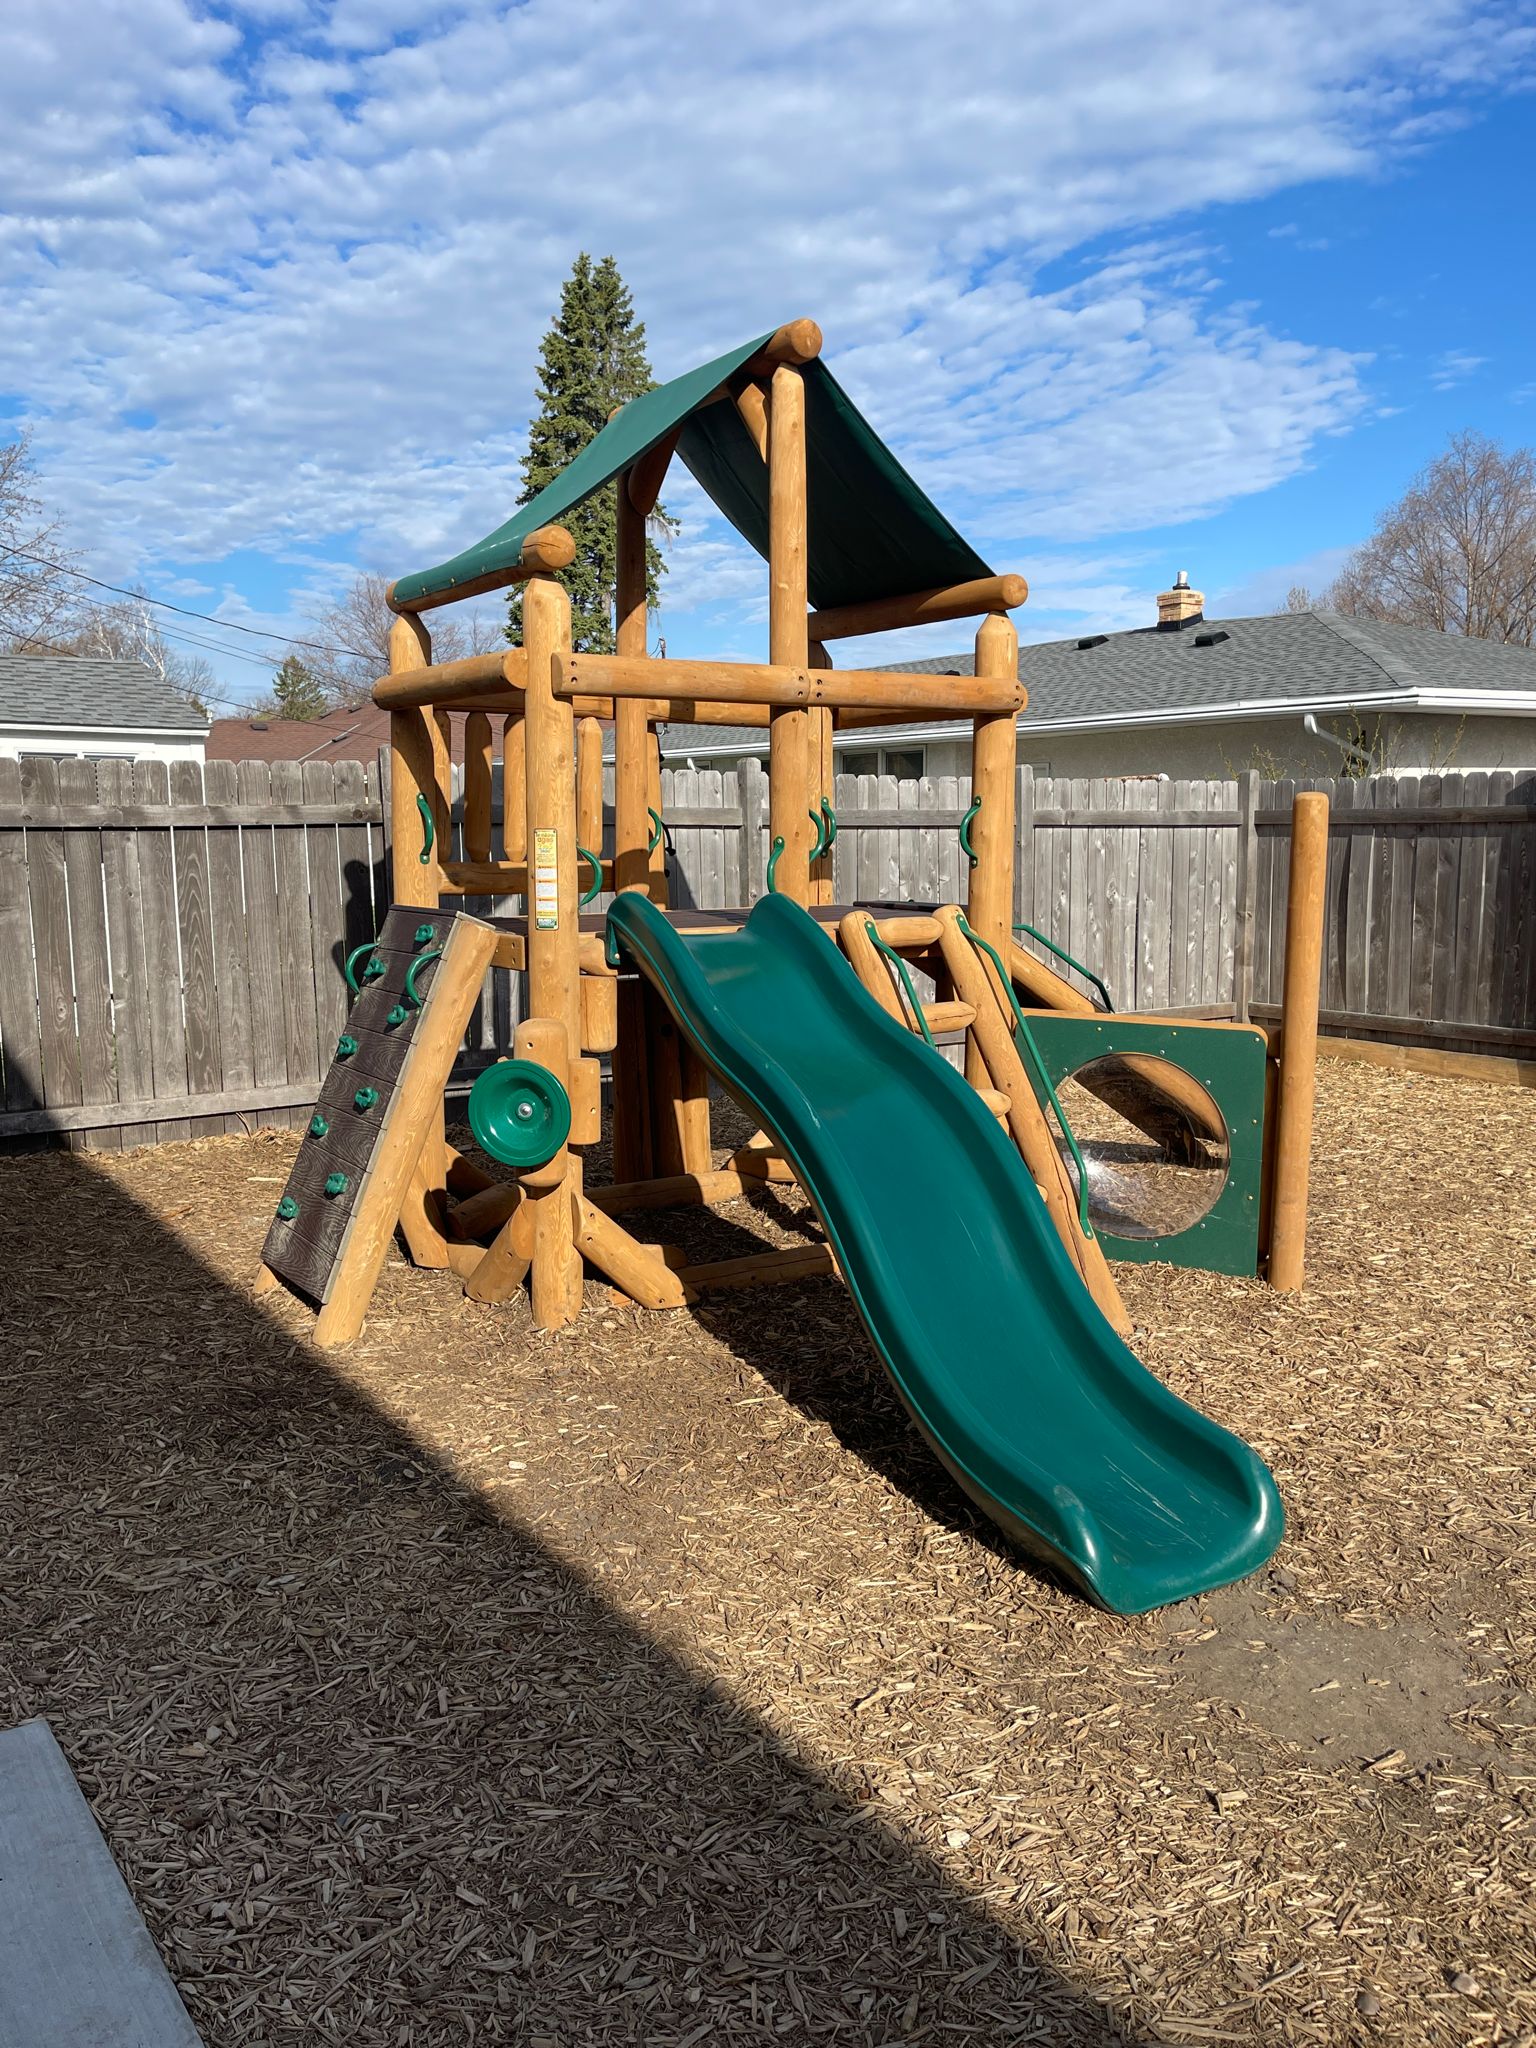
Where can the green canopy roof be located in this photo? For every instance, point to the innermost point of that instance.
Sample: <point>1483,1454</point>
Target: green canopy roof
<point>873,532</point>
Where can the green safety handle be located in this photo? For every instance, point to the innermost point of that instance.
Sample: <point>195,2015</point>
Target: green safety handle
<point>826,830</point>
<point>657,829</point>
<point>583,853</point>
<point>428,829</point>
<point>1040,1068</point>
<point>891,953</point>
<point>775,855</point>
<point>414,969</point>
<point>1061,953</point>
<point>965,832</point>
<point>374,968</point>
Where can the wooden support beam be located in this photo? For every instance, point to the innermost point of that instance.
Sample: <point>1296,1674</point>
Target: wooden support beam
<point>514,792</point>
<point>639,1269</point>
<point>423,1210</point>
<point>994,783</point>
<point>642,481</point>
<point>631,821</point>
<point>761,1269</point>
<point>1300,1001</point>
<point>545,551</point>
<point>790,782</point>
<point>550,1191</point>
<point>589,787</point>
<point>797,341</point>
<point>499,1272</point>
<point>675,1191</point>
<point>496,678</point>
<point>411,776</point>
<point>921,608</point>
<point>752,404</point>
<point>477,787</point>
<point>484,1211</point>
<point>668,686</point>
<point>633,1151</point>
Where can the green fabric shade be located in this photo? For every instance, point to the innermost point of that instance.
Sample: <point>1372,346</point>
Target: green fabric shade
<point>873,532</point>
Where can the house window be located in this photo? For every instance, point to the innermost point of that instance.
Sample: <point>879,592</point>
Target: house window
<point>907,764</point>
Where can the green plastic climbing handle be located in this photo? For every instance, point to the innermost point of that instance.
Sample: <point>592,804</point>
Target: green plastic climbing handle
<point>414,969</point>
<point>657,830</point>
<point>826,830</point>
<point>596,865</point>
<point>1061,953</point>
<point>891,953</point>
<point>965,832</point>
<point>1040,1069</point>
<point>428,829</point>
<point>775,855</point>
<point>375,966</point>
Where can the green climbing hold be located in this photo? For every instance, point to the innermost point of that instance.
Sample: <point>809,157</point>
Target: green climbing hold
<point>287,1209</point>
<point>365,1098</point>
<point>423,935</point>
<point>346,1045</point>
<point>335,1183</point>
<point>318,1125</point>
<point>397,1015</point>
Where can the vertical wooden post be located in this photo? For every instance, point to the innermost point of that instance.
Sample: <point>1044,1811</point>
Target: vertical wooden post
<point>411,743</point>
<point>589,790</point>
<point>477,786</point>
<point>1298,1040</point>
<point>548,1191</point>
<point>819,734</point>
<point>631,825</point>
<point>514,789</point>
<point>1247,893</point>
<point>994,760</point>
<point>657,803</point>
<point>789,735</point>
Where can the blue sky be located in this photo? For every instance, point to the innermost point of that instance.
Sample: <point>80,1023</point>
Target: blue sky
<point>1130,288</point>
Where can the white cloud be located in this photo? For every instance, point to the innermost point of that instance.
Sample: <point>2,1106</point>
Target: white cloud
<point>316,246</point>
<point>1454,367</point>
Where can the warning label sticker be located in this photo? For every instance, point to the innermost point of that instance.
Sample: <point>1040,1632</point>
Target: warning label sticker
<point>546,879</point>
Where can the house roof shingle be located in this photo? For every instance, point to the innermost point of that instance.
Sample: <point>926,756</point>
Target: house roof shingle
<point>84,692</point>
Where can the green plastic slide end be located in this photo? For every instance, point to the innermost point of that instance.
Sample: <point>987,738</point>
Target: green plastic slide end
<point>318,1125</point>
<point>364,1099</point>
<point>519,1113</point>
<point>428,830</point>
<point>965,832</point>
<point>346,1045</point>
<point>335,1184</point>
<point>287,1209</point>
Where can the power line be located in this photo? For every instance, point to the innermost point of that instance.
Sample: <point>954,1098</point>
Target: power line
<point>164,603</point>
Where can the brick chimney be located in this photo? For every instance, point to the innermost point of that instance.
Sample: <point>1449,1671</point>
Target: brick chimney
<point>1181,605</point>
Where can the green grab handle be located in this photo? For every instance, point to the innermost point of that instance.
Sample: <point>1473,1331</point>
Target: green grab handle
<point>397,1015</point>
<point>335,1184</point>
<point>891,953</point>
<point>597,875</point>
<point>287,1209</point>
<point>346,1045</point>
<point>965,832</point>
<point>428,829</point>
<point>831,817</point>
<point>365,1098</point>
<point>1040,1068</point>
<point>318,1125</point>
<point>410,979</point>
<point>657,829</point>
<point>1061,953</point>
<point>826,830</point>
<point>374,968</point>
<point>775,855</point>
<point>423,935</point>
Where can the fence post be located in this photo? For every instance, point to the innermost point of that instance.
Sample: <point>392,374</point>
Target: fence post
<point>1024,864</point>
<point>1247,893</point>
<point>386,783</point>
<point>753,791</point>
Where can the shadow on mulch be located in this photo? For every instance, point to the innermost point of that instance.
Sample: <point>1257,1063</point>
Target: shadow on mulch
<point>377,1767</point>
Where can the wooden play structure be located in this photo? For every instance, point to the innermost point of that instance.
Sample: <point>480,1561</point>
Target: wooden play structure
<point>853,548</point>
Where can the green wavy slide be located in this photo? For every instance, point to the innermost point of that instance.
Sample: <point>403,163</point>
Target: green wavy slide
<point>1048,1421</point>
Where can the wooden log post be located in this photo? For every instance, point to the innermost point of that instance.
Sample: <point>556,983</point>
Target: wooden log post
<point>589,792</point>
<point>631,823</point>
<point>411,777</point>
<point>477,786</point>
<point>789,738</point>
<point>1297,1089</point>
<point>994,785</point>
<point>514,790</point>
<point>551,1192</point>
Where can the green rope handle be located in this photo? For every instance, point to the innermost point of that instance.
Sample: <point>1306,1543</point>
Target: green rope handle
<point>428,829</point>
<point>657,829</point>
<point>597,876</point>
<point>1061,953</point>
<point>371,972</point>
<point>414,969</point>
<point>891,953</point>
<point>775,855</point>
<point>826,830</point>
<point>1039,1065</point>
<point>965,832</point>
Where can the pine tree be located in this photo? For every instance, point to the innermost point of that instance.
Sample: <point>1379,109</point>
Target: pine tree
<point>592,360</point>
<point>298,694</point>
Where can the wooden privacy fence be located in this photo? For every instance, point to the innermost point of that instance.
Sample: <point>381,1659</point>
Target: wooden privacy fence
<point>172,940</point>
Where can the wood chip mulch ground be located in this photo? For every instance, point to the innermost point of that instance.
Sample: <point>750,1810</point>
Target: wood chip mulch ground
<point>650,1684</point>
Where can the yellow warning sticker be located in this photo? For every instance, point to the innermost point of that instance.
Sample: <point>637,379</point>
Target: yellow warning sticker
<point>546,879</point>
